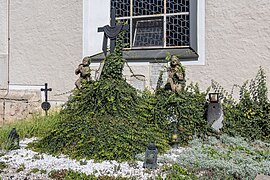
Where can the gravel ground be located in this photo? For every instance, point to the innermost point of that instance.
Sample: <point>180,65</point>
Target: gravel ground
<point>27,164</point>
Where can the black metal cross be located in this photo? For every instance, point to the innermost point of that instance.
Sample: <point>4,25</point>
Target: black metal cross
<point>46,105</point>
<point>111,32</point>
<point>46,91</point>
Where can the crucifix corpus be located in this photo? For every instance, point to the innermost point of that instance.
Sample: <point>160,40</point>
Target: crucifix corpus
<point>46,105</point>
<point>111,31</point>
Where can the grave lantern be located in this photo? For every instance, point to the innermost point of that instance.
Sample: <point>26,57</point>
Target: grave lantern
<point>13,139</point>
<point>150,160</point>
<point>175,138</point>
<point>215,112</point>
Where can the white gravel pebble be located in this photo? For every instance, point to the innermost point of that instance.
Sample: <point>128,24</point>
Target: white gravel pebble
<point>30,160</point>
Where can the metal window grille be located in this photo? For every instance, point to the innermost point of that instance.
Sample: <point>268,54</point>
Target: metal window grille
<point>155,23</point>
<point>177,30</point>
<point>148,33</point>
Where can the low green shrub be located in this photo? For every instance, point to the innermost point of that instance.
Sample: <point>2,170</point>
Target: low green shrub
<point>176,172</point>
<point>65,174</point>
<point>250,116</point>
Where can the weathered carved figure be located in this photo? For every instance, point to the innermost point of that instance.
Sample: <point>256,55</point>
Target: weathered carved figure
<point>84,71</point>
<point>176,76</point>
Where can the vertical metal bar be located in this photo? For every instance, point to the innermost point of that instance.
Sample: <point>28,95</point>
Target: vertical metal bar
<point>164,24</point>
<point>113,24</point>
<point>193,24</point>
<point>131,23</point>
<point>46,92</point>
<point>8,24</point>
<point>8,60</point>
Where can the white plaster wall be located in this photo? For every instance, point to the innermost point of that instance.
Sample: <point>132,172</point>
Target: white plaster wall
<point>46,43</point>
<point>3,44</point>
<point>237,43</point>
<point>96,13</point>
<point>3,27</point>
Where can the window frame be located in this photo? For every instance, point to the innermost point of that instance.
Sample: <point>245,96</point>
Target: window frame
<point>94,17</point>
<point>192,25</point>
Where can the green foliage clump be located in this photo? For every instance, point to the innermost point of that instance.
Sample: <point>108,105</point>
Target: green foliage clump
<point>176,172</point>
<point>74,175</point>
<point>102,138</point>
<point>113,97</point>
<point>250,117</point>
<point>3,165</point>
<point>184,110</point>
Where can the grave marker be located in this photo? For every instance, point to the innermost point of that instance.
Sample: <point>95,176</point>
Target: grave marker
<point>111,31</point>
<point>46,105</point>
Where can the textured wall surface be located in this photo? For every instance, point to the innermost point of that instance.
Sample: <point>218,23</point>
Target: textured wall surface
<point>19,104</point>
<point>46,43</point>
<point>3,27</point>
<point>237,43</point>
<point>3,44</point>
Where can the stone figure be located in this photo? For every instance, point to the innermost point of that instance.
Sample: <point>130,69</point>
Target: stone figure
<point>84,71</point>
<point>176,76</point>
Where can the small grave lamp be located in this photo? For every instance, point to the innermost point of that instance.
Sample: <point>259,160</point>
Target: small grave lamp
<point>215,112</point>
<point>175,138</point>
<point>214,97</point>
<point>13,139</point>
<point>150,160</point>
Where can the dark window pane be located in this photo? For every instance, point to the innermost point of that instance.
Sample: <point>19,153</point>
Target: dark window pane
<point>147,7</point>
<point>177,32</point>
<point>177,6</point>
<point>148,32</point>
<point>122,7</point>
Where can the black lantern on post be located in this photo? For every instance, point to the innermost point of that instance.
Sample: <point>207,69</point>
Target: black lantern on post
<point>150,160</point>
<point>175,138</point>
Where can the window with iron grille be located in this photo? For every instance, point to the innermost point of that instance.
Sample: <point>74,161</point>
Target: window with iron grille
<point>159,23</point>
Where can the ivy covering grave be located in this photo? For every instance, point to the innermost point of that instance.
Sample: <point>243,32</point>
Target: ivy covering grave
<point>101,120</point>
<point>110,120</point>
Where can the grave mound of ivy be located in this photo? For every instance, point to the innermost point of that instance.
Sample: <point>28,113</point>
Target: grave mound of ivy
<point>101,120</point>
<point>108,119</point>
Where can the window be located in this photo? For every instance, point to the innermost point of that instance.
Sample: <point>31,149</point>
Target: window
<point>159,23</point>
<point>148,33</point>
